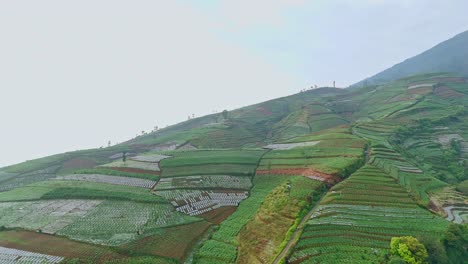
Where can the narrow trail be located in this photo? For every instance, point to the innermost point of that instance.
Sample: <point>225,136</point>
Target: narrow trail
<point>294,238</point>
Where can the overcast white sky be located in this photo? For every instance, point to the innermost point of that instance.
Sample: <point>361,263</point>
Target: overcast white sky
<point>75,74</point>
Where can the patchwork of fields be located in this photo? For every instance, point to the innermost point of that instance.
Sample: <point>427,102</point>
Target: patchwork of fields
<point>324,176</point>
<point>357,218</point>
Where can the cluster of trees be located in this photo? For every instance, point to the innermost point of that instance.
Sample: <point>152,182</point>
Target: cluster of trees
<point>452,248</point>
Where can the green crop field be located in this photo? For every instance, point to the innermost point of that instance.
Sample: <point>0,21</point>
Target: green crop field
<point>359,216</point>
<point>327,175</point>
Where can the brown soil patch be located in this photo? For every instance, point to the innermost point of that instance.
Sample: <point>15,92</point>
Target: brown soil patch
<point>421,90</point>
<point>264,111</point>
<point>218,215</point>
<point>447,93</point>
<point>307,172</point>
<point>134,170</point>
<point>56,246</point>
<point>173,242</point>
<point>78,163</point>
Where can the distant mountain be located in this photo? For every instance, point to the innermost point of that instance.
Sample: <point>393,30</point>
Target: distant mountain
<point>448,56</point>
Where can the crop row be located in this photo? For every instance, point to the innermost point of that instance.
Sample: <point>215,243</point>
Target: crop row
<point>205,181</point>
<point>354,219</point>
<point>195,202</point>
<point>10,256</point>
<point>117,180</point>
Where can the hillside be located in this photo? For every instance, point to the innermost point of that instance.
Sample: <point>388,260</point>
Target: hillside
<point>448,56</point>
<point>322,176</point>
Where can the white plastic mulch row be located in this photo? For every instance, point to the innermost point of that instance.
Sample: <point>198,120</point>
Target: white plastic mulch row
<point>199,202</point>
<point>421,85</point>
<point>10,255</point>
<point>205,181</point>
<point>150,158</point>
<point>117,180</point>
<point>287,146</point>
<point>455,214</point>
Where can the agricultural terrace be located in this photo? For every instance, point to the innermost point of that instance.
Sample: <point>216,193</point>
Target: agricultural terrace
<point>199,181</point>
<point>10,255</point>
<point>113,172</point>
<point>205,182</point>
<point>336,155</point>
<point>269,230</point>
<point>195,202</point>
<point>56,246</point>
<point>10,181</point>
<point>132,164</point>
<point>117,180</point>
<point>173,242</point>
<point>211,162</point>
<point>55,189</point>
<point>115,223</point>
<point>277,200</point>
<point>306,118</point>
<point>44,216</point>
<point>356,220</point>
<point>414,180</point>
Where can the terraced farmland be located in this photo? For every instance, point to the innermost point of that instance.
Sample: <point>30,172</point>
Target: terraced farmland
<point>236,187</point>
<point>9,255</point>
<point>357,218</point>
<point>117,180</point>
<point>119,222</point>
<point>326,159</point>
<point>195,202</point>
<point>205,182</point>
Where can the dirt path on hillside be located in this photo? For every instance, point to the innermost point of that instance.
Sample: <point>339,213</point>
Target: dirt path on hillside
<point>294,238</point>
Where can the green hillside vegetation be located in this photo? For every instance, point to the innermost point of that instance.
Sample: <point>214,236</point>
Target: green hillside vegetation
<point>327,175</point>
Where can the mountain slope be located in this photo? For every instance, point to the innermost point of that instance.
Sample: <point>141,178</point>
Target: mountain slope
<point>448,56</point>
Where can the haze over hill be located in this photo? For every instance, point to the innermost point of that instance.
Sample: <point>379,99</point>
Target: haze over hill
<point>377,173</point>
<point>77,74</point>
<point>448,56</point>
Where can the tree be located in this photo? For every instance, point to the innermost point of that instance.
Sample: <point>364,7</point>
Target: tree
<point>225,114</point>
<point>124,156</point>
<point>456,243</point>
<point>409,249</point>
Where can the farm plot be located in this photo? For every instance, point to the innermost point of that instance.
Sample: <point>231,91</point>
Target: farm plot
<point>150,158</point>
<point>55,190</point>
<point>115,223</point>
<point>222,246</point>
<point>117,180</point>
<point>131,164</point>
<point>11,182</point>
<point>46,216</point>
<point>287,146</point>
<point>56,246</point>
<point>324,160</point>
<point>457,213</point>
<point>356,220</point>
<point>410,177</point>
<point>211,162</point>
<point>195,202</point>
<point>174,242</point>
<point>10,255</point>
<point>205,182</point>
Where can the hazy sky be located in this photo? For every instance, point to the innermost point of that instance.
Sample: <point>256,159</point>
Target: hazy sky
<point>75,74</point>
